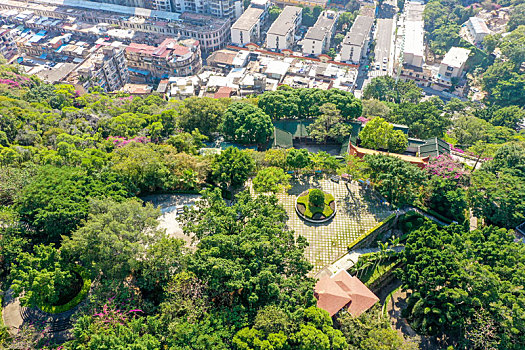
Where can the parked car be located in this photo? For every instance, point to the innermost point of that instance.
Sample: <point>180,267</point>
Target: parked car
<point>384,66</point>
<point>385,60</point>
<point>378,66</point>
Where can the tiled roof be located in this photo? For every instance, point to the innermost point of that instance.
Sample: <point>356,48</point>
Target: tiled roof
<point>343,291</point>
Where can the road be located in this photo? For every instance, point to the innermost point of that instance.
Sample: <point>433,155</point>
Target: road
<point>383,48</point>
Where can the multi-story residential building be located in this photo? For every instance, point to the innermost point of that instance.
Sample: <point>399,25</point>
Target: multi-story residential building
<point>477,29</point>
<point>90,18</point>
<point>318,37</point>
<point>452,66</point>
<point>230,9</point>
<point>414,47</point>
<point>247,29</point>
<point>148,63</point>
<point>281,34</point>
<point>355,43</point>
<point>302,3</point>
<point>106,67</point>
<point>7,44</point>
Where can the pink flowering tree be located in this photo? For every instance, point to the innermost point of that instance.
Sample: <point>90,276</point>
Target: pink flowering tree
<point>119,141</point>
<point>447,167</point>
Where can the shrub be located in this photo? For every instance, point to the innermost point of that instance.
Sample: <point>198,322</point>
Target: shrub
<point>316,198</point>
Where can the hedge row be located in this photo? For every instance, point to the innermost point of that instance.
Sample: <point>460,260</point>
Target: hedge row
<point>371,231</point>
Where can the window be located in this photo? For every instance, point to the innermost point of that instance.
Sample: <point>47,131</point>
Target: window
<point>448,74</point>
<point>450,69</point>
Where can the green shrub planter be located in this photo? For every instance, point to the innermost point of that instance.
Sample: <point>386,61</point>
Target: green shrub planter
<point>86,285</point>
<point>310,213</point>
<point>371,231</point>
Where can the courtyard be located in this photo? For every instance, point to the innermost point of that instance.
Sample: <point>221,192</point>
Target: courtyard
<point>358,210</point>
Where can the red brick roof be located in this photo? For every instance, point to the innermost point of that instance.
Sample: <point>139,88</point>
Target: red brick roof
<point>343,291</point>
<point>223,92</point>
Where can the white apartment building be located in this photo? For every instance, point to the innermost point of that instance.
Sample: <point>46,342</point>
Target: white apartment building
<point>281,34</point>
<point>477,29</point>
<point>414,46</point>
<point>453,63</point>
<point>355,43</point>
<point>318,37</point>
<point>247,28</point>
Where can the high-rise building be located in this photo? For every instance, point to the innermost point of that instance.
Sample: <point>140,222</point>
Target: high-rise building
<point>7,44</point>
<point>106,67</point>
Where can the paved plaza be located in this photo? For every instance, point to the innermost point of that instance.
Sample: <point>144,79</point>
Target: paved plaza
<point>358,210</point>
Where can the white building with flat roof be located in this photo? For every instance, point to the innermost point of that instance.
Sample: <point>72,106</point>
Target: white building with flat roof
<point>281,34</point>
<point>356,41</point>
<point>247,28</point>
<point>453,63</point>
<point>318,37</point>
<point>414,52</point>
<point>477,29</point>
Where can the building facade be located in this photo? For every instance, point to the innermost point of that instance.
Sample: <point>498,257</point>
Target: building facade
<point>477,29</point>
<point>355,43</point>
<point>451,67</point>
<point>7,44</point>
<point>247,28</point>
<point>148,63</point>
<point>281,34</point>
<point>230,9</point>
<point>318,37</point>
<point>213,33</point>
<point>106,67</point>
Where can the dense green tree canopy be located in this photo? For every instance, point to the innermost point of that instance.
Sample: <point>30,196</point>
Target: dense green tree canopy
<point>394,178</point>
<point>385,88</point>
<point>114,237</point>
<point>232,167</point>
<point>462,287</point>
<point>271,179</point>
<point>204,114</point>
<point>328,125</point>
<point>497,191</point>
<point>57,199</point>
<point>246,123</point>
<point>379,134</point>
<point>246,256</point>
<point>41,278</point>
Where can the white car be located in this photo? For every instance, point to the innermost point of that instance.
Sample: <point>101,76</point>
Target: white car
<point>385,60</point>
<point>378,66</point>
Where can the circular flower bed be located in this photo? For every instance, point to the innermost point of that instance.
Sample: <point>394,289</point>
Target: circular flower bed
<point>315,205</point>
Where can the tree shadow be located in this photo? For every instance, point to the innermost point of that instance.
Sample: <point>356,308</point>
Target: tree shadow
<point>301,183</point>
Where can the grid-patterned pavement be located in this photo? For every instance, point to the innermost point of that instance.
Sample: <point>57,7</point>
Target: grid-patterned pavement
<point>358,210</point>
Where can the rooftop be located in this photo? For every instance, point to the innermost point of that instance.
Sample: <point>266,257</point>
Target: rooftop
<point>456,57</point>
<point>222,57</point>
<point>414,35</point>
<point>322,26</point>
<point>248,19</point>
<point>359,32</point>
<point>343,291</point>
<point>414,11</point>
<point>479,25</point>
<point>286,21</point>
